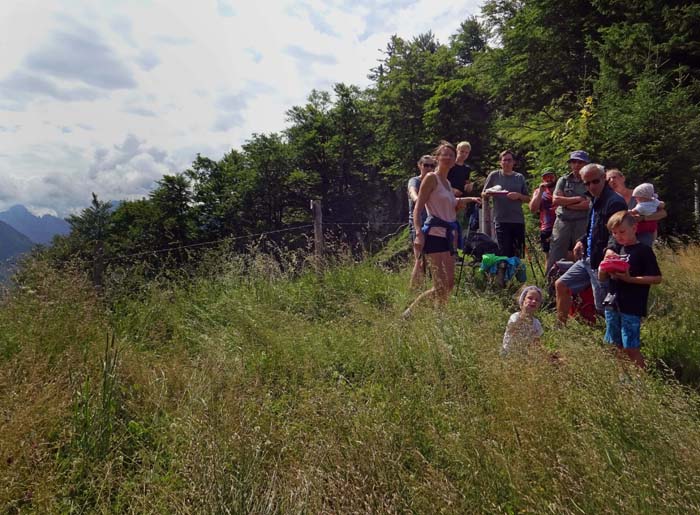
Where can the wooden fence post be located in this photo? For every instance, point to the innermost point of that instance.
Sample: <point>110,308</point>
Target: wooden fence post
<point>486,219</point>
<point>318,233</point>
<point>98,266</point>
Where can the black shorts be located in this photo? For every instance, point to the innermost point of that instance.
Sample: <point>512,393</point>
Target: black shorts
<point>434,244</point>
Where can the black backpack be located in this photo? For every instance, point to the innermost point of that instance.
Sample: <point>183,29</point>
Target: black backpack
<point>477,244</point>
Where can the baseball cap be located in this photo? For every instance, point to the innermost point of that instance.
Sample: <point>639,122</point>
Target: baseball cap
<point>548,171</point>
<point>579,155</point>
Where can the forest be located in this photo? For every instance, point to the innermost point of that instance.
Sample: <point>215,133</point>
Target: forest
<point>541,77</point>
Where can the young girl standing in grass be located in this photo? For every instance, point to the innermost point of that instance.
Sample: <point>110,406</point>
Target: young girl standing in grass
<point>523,329</point>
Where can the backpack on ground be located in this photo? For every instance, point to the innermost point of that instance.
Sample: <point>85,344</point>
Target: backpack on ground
<point>477,244</point>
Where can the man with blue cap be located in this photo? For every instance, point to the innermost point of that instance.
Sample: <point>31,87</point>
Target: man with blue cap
<point>572,209</point>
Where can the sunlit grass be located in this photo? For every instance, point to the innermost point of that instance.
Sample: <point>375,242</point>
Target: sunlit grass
<point>257,390</point>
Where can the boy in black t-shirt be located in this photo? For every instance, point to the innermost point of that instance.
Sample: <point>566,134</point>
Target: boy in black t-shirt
<point>631,268</point>
<point>459,173</point>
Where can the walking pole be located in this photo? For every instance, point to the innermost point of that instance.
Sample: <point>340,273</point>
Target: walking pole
<point>529,240</point>
<point>529,259</point>
<point>460,253</point>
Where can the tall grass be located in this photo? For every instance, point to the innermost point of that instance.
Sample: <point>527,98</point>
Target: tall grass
<point>672,331</point>
<point>258,390</point>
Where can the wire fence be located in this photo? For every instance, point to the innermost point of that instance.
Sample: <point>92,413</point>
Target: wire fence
<point>231,239</point>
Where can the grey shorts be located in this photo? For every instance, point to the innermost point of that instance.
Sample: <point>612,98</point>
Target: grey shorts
<point>580,276</point>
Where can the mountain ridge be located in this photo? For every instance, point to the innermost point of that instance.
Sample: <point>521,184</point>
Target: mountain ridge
<point>39,229</point>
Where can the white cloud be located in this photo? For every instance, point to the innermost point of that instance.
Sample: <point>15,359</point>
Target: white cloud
<point>77,53</point>
<point>109,96</point>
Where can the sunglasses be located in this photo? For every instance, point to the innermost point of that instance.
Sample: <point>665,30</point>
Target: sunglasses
<point>594,181</point>
<point>428,165</point>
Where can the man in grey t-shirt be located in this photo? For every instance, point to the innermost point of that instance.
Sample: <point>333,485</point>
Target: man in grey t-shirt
<point>572,209</point>
<point>508,190</point>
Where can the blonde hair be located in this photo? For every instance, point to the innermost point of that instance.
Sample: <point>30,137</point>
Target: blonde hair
<point>619,218</point>
<point>463,144</point>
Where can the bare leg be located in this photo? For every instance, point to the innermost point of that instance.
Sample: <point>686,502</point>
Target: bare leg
<point>443,266</point>
<point>418,273</point>
<point>442,269</point>
<point>563,301</point>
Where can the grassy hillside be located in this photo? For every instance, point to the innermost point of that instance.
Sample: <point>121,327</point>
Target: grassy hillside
<point>252,390</point>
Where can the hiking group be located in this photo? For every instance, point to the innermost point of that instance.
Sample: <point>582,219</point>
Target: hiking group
<point>596,233</point>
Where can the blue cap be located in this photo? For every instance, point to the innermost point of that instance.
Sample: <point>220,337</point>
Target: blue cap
<point>579,155</point>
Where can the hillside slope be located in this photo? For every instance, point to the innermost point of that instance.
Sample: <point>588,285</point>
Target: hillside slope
<point>261,391</point>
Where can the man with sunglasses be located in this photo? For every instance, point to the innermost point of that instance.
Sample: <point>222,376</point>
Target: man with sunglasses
<point>572,209</point>
<point>590,248</point>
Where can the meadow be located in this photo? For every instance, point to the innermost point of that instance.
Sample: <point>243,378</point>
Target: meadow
<point>245,387</point>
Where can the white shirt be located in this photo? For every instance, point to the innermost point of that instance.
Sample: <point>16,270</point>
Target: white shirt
<point>520,333</point>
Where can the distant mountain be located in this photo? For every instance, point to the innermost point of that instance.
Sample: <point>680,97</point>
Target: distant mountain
<point>39,229</point>
<point>12,242</point>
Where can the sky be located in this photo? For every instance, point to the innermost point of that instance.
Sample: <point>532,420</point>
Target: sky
<point>108,96</point>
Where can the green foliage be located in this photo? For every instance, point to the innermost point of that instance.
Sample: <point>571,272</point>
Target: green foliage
<point>93,222</point>
<point>134,227</point>
<point>267,157</point>
<point>639,35</point>
<point>470,39</point>
<point>457,112</point>
<point>542,59</point>
<point>403,82</point>
<point>171,201</point>
<point>631,129</point>
<point>331,141</point>
<point>89,230</point>
<point>670,333</point>
<point>219,189</point>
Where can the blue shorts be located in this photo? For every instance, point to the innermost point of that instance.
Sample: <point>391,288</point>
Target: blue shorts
<point>622,330</point>
<point>580,276</point>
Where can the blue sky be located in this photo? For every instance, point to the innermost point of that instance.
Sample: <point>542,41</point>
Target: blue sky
<point>108,96</point>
